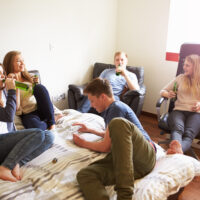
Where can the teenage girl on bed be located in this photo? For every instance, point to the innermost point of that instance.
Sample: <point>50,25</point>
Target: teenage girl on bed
<point>17,147</point>
<point>35,109</point>
<point>185,117</point>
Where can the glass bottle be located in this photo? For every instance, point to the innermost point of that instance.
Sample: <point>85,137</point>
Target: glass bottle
<point>34,84</point>
<point>118,73</point>
<point>20,85</point>
<point>175,89</point>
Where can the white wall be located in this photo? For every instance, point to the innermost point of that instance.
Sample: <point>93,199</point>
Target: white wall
<point>61,38</point>
<point>142,33</point>
<point>64,38</point>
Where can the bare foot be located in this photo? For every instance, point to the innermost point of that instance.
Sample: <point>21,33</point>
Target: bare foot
<point>175,147</point>
<point>17,173</point>
<point>58,116</point>
<point>6,175</point>
<point>52,127</point>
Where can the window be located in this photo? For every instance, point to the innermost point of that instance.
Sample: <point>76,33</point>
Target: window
<point>183,27</point>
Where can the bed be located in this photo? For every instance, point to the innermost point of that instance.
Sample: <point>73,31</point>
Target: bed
<point>52,175</point>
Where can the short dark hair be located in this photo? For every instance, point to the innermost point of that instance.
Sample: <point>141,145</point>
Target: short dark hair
<point>98,86</point>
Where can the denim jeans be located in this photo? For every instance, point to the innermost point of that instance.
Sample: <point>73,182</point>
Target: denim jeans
<point>43,117</point>
<point>184,127</point>
<point>23,146</point>
<point>131,157</point>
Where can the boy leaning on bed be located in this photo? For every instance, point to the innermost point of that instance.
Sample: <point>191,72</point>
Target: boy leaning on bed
<point>131,152</point>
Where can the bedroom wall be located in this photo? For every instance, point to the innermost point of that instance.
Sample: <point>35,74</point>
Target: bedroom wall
<point>61,38</point>
<point>142,33</point>
<point>64,38</point>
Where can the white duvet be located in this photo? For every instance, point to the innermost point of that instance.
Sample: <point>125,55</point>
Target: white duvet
<point>45,180</point>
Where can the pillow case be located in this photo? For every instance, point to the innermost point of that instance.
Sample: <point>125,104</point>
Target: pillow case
<point>170,173</point>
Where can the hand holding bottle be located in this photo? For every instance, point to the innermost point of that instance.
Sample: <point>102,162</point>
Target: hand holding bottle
<point>171,94</point>
<point>174,92</point>
<point>118,70</point>
<point>19,85</point>
<point>35,79</point>
<point>10,84</point>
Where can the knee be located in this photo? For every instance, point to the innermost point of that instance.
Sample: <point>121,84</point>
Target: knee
<point>176,126</point>
<point>190,134</point>
<point>82,175</point>
<point>116,122</point>
<point>86,174</point>
<point>117,125</point>
<point>39,134</point>
<point>49,137</point>
<point>39,88</point>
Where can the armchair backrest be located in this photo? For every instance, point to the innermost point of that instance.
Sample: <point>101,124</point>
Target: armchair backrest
<point>139,71</point>
<point>186,50</point>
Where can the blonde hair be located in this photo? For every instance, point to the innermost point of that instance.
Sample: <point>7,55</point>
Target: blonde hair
<point>119,53</point>
<point>193,82</point>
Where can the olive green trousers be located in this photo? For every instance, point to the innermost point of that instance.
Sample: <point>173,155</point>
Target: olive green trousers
<point>131,157</point>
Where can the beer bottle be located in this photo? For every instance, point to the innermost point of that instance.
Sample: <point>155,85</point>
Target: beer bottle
<point>20,85</point>
<point>175,90</point>
<point>118,73</point>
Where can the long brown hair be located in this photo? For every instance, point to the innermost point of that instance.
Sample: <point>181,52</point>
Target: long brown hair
<point>193,82</point>
<point>9,68</point>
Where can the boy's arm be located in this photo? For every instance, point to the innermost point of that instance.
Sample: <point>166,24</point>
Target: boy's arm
<point>84,129</point>
<point>100,146</point>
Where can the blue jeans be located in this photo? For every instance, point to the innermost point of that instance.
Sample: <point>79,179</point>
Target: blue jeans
<point>43,117</point>
<point>22,146</point>
<point>184,126</point>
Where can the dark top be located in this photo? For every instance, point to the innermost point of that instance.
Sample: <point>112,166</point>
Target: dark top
<point>7,113</point>
<point>120,109</point>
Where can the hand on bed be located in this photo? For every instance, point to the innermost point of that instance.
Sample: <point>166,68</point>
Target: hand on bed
<point>78,140</point>
<point>83,128</point>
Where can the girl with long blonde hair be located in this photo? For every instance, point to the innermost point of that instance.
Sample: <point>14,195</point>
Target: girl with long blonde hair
<point>185,90</point>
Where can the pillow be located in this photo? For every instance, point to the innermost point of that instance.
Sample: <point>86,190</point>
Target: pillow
<point>170,173</point>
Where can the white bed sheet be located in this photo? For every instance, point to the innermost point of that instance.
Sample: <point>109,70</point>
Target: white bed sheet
<point>46,180</point>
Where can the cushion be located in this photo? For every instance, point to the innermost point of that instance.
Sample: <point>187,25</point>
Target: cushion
<point>171,172</point>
